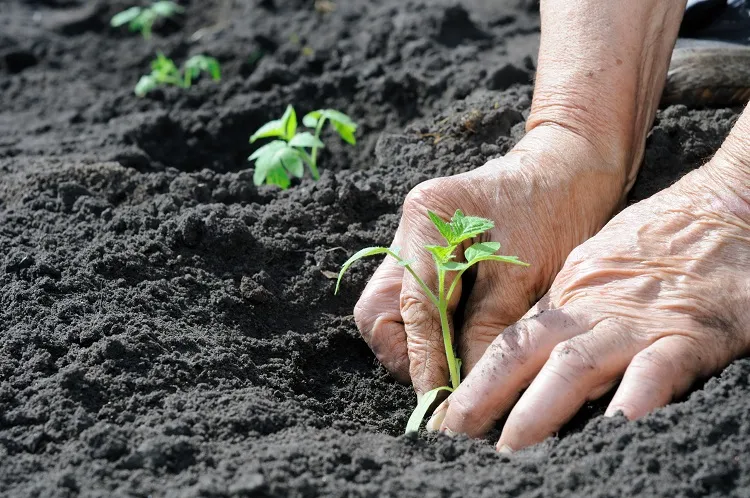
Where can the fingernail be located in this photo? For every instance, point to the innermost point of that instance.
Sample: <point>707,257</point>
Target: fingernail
<point>505,449</point>
<point>449,432</point>
<point>433,425</point>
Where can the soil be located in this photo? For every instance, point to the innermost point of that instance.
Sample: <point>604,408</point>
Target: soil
<point>169,329</point>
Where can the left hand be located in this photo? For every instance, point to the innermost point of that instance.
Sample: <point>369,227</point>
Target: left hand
<point>658,299</point>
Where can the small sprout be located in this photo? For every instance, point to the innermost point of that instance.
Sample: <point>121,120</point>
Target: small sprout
<point>142,18</point>
<point>288,153</point>
<point>165,72</point>
<point>458,230</point>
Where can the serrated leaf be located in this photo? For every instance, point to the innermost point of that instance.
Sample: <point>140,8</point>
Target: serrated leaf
<point>124,17</point>
<point>273,128</point>
<point>362,253</point>
<point>274,160</point>
<point>311,119</point>
<point>442,254</point>
<point>466,227</point>
<point>289,120</point>
<point>419,413</point>
<point>443,227</point>
<point>346,132</point>
<point>481,249</point>
<point>166,8</point>
<point>145,85</point>
<point>306,139</point>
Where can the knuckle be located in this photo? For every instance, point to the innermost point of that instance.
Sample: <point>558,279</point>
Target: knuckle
<point>415,311</point>
<point>427,194</point>
<point>516,341</point>
<point>462,413</point>
<point>572,360</point>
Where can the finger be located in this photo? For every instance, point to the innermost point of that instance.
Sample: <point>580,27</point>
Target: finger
<point>508,366</point>
<point>492,306</point>
<point>657,375</point>
<point>578,370</point>
<point>378,318</point>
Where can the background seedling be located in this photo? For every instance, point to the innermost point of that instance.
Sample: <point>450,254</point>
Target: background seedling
<point>287,155</point>
<point>165,72</point>
<point>455,232</point>
<point>142,18</point>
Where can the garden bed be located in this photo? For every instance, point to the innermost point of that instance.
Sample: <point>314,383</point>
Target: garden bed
<point>169,329</point>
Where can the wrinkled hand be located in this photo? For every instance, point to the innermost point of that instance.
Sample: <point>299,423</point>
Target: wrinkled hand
<point>658,298</point>
<point>546,196</point>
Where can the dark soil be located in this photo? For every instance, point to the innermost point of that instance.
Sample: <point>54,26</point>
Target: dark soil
<point>169,329</point>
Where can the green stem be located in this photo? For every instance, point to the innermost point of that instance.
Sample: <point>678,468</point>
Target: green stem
<point>449,354</point>
<point>314,153</point>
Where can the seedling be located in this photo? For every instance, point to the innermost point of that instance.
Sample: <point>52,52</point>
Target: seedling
<point>165,72</point>
<point>287,155</point>
<point>142,18</point>
<point>458,230</point>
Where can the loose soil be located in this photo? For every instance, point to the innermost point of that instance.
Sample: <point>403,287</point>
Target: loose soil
<point>169,329</point>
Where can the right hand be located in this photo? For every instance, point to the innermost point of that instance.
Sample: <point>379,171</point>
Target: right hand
<point>549,194</point>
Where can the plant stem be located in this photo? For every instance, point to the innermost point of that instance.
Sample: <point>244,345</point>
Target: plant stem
<point>446,329</point>
<point>314,153</point>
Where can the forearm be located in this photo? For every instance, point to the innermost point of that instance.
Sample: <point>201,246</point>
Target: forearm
<point>602,67</point>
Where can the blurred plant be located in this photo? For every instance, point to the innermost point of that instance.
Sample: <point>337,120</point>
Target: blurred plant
<point>142,18</point>
<point>165,72</point>
<point>287,155</point>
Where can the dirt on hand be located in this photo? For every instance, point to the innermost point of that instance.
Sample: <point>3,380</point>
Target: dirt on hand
<point>169,329</point>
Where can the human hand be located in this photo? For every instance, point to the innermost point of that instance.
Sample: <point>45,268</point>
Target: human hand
<point>549,173</point>
<point>658,298</point>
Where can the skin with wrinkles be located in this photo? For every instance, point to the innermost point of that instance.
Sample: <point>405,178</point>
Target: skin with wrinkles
<point>656,298</point>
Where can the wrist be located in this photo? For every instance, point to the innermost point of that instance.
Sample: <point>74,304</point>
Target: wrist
<point>602,66</point>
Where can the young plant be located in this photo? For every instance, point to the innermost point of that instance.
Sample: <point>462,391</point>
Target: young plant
<point>142,18</point>
<point>165,72</point>
<point>287,155</point>
<point>455,232</point>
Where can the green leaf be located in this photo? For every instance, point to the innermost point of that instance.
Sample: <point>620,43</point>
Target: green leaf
<point>427,400</point>
<point>311,119</point>
<point>467,227</point>
<point>306,139</point>
<point>166,8</point>
<point>289,119</point>
<point>346,132</point>
<point>363,253</point>
<point>278,176</point>
<point>338,117</point>
<point>268,149</point>
<point>453,266</point>
<point>273,128</point>
<point>145,85</point>
<point>442,254</point>
<point>481,249</point>
<point>198,63</point>
<point>278,157</point>
<point>124,17</point>
<point>443,227</point>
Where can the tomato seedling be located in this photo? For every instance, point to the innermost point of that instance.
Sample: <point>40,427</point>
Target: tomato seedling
<point>142,19</point>
<point>165,72</point>
<point>287,155</point>
<point>455,232</point>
